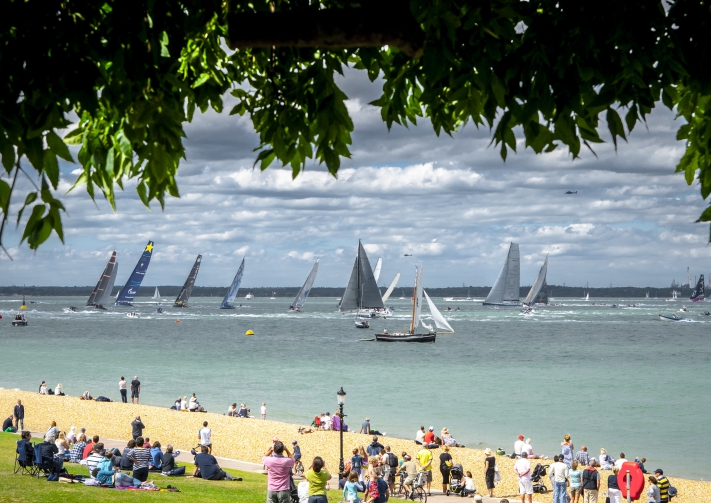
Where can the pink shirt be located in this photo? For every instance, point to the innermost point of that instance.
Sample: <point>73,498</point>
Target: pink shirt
<point>278,468</point>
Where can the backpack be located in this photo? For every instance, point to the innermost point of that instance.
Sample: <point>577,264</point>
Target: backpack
<point>373,490</point>
<point>392,460</point>
<point>672,492</point>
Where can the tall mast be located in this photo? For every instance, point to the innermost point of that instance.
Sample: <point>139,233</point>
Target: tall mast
<point>414,296</point>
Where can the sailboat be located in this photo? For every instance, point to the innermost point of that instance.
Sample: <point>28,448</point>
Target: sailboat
<point>232,291</point>
<point>538,287</point>
<point>156,294</point>
<point>411,335</point>
<point>698,294</point>
<point>647,295</point>
<point>182,298</point>
<point>376,269</point>
<point>362,290</point>
<point>249,296</point>
<point>102,291</point>
<point>130,289</point>
<point>390,289</point>
<point>505,291</point>
<point>300,298</point>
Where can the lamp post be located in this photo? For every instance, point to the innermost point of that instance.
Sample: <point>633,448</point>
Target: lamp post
<point>341,401</point>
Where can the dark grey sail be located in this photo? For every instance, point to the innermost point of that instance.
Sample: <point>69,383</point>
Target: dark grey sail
<point>362,290</point>
<point>184,295</point>
<point>97,294</point>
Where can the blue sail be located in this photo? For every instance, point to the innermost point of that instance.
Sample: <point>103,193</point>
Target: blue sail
<point>130,289</point>
<point>232,292</point>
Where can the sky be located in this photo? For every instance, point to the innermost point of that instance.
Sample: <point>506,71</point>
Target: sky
<point>451,202</point>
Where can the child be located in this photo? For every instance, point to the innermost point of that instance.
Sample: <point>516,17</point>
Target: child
<point>350,491</point>
<point>264,410</point>
<point>469,487</point>
<point>356,462</point>
<point>297,450</point>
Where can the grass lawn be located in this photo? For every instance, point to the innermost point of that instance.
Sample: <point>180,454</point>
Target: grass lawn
<point>252,489</point>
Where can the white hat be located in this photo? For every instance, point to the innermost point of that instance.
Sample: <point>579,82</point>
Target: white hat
<point>431,428</point>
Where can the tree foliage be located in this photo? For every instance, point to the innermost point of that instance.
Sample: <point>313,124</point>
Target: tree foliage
<point>561,73</point>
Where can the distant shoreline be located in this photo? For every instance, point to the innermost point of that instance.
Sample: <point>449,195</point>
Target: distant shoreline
<point>478,292</point>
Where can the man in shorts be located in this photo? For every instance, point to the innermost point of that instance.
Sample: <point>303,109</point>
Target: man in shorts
<point>135,389</point>
<point>523,470</point>
<point>424,460</point>
<point>410,468</point>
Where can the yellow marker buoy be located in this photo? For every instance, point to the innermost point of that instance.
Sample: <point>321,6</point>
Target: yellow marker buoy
<point>249,332</point>
<point>177,321</point>
<point>23,306</point>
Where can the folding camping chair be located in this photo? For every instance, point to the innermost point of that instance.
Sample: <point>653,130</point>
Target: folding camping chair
<point>24,458</point>
<point>43,465</point>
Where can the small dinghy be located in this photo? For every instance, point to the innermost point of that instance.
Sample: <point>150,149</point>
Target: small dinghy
<point>672,317</point>
<point>132,315</point>
<point>19,321</point>
<point>70,309</point>
<point>362,324</point>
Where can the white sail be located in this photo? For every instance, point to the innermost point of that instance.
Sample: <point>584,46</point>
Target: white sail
<point>538,284</point>
<point>390,288</point>
<point>417,301</point>
<point>439,320</point>
<point>304,292</point>
<point>156,294</point>
<point>587,296</point>
<point>376,271</point>
<point>106,297</point>
<point>508,284</point>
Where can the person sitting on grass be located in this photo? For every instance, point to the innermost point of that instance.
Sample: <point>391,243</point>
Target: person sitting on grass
<point>89,447</point>
<point>206,467</point>
<point>126,462</point>
<point>7,425</point>
<point>96,456</point>
<point>156,457</point>
<point>108,475</point>
<point>169,469</point>
<point>75,456</point>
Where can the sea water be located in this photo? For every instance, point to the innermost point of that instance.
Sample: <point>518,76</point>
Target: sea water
<point>618,378</point>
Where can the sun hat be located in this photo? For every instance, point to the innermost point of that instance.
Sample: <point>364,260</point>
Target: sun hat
<point>602,451</point>
<point>407,456</point>
<point>445,430</point>
<point>487,452</point>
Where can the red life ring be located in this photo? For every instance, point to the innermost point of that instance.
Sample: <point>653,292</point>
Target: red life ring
<point>636,480</point>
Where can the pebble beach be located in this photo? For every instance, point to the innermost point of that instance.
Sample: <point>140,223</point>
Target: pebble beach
<point>248,439</point>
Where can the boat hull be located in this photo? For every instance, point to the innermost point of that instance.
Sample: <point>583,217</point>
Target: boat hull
<point>502,304</point>
<point>19,323</point>
<point>405,337</point>
<point>226,307</point>
<point>670,318</point>
<point>698,299</point>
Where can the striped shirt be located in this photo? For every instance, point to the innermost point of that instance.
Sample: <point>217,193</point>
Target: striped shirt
<point>663,484</point>
<point>141,458</point>
<point>76,454</point>
<point>92,461</point>
<point>582,458</point>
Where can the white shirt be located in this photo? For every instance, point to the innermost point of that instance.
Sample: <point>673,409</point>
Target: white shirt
<point>527,449</point>
<point>205,434</point>
<point>469,484</point>
<point>559,472</point>
<point>619,462</point>
<point>122,384</point>
<point>518,445</point>
<point>420,436</point>
<point>523,465</point>
<point>264,410</point>
<point>232,411</point>
<point>183,405</point>
<point>303,490</point>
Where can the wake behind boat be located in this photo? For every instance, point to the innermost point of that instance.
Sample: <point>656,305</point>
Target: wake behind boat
<point>672,317</point>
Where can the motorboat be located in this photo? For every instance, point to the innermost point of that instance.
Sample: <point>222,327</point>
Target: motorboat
<point>249,296</point>
<point>672,317</point>
<point>362,324</point>
<point>19,321</point>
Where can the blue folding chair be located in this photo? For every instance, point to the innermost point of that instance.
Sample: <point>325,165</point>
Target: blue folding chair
<point>43,464</point>
<point>24,458</point>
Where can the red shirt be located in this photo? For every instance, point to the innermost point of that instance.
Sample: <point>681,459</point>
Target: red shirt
<point>429,437</point>
<point>87,450</point>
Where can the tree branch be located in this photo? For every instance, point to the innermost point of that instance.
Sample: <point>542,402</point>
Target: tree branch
<point>328,28</point>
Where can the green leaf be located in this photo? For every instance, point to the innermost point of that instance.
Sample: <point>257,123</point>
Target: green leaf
<point>57,145</point>
<point>74,137</point>
<point>614,124</point>
<point>4,196</point>
<point>51,167</point>
<point>164,45</point>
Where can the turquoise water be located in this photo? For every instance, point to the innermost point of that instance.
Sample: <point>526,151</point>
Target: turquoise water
<point>614,378</point>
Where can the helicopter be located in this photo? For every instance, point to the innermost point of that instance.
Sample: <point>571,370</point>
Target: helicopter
<point>571,192</point>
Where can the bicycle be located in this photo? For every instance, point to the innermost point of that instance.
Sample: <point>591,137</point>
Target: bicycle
<point>299,468</point>
<point>416,493</point>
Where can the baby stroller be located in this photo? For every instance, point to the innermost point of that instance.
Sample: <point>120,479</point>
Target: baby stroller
<point>456,474</point>
<point>537,478</point>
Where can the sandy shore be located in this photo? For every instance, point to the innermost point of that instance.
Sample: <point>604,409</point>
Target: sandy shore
<point>247,439</point>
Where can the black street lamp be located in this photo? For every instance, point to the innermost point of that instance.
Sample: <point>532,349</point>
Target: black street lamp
<point>341,401</point>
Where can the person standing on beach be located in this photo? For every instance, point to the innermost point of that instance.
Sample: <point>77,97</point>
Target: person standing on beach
<point>365,427</point>
<point>137,427</point>
<point>122,389</point>
<point>18,412</point>
<point>445,466</point>
<point>489,470</point>
<point>591,484</point>
<point>663,484</point>
<point>205,435</point>
<point>135,389</point>
<point>424,461</point>
<point>523,471</point>
<point>278,472</point>
<point>264,410</point>
<point>559,477</point>
<point>613,489</point>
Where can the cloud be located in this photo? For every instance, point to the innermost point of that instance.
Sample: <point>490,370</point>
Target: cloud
<point>451,202</point>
